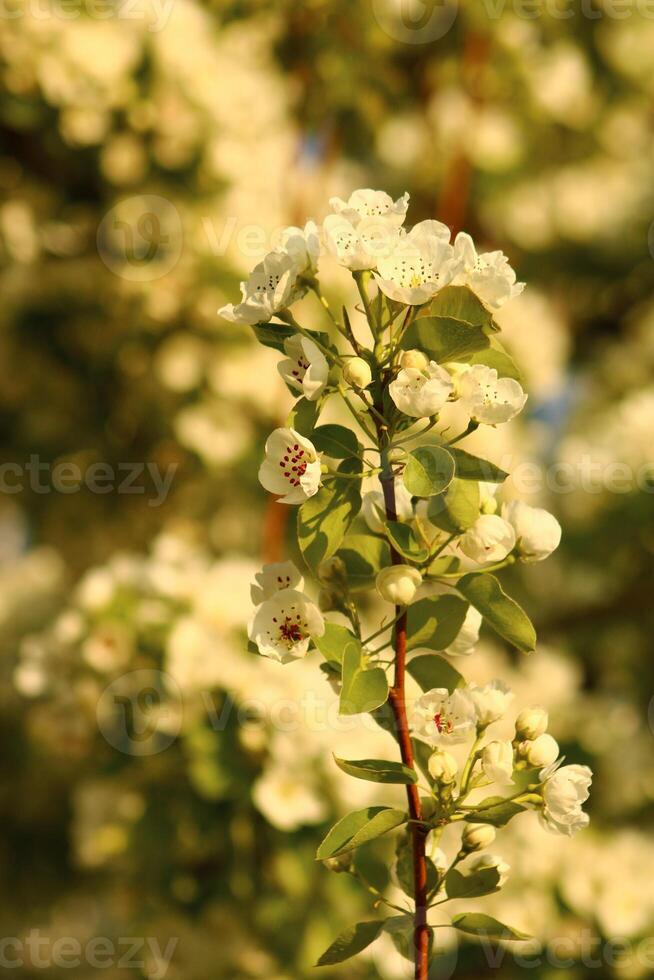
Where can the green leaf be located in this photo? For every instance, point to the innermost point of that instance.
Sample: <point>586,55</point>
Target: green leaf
<point>273,335</point>
<point>404,866</point>
<point>480,924</point>
<point>363,690</point>
<point>429,470</point>
<point>496,357</point>
<point>404,541</point>
<point>461,303</point>
<point>350,942</point>
<point>470,467</point>
<point>444,338</point>
<point>435,622</point>
<point>364,555</point>
<point>431,671</point>
<point>482,882</point>
<point>378,770</point>
<point>484,592</point>
<point>323,520</point>
<point>444,565</point>
<point>358,828</point>
<point>303,416</point>
<point>496,811</point>
<point>335,441</point>
<point>333,642</point>
<point>457,509</point>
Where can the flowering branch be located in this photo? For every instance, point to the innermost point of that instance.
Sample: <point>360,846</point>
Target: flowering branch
<point>435,521</point>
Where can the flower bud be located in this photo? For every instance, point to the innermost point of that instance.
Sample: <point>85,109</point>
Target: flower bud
<point>543,751</point>
<point>497,761</point>
<point>477,836</point>
<point>531,722</point>
<point>342,862</point>
<point>414,359</point>
<point>442,767</point>
<point>398,584</point>
<point>357,373</point>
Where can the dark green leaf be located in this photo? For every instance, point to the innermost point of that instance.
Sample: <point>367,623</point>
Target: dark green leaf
<point>350,942</point>
<point>303,416</point>
<point>363,690</point>
<point>482,882</point>
<point>333,642</point>
<point>496,811</point>
<point>484,592</point>
<point>377,770</point>
<point>358,828</point>
<point>431,671</point>
<point>404,866</point>
<point>435,622</point>
<point>429,470</point>
<point>335,441</point>
<point>480,924</point>
<point>273,335</point>
<point>404,541</point>
<point>471,468</point>
<point>457,509</point>
<point>364,555</point>
<point>323,520</point>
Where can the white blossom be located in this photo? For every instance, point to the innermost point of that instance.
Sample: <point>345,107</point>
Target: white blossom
<point>421,393</point>
<point>488,398</point>
<point>439,718</point>
<point>303,246</point>
<point>464,643</point>
<point>364,204</point>
<point>442,767</point>
<point>272,578</point>
<point>291,468</point>
<point>538,533</point>
<point>422,262</point>
<point>497,761</point>
<point>272,287</point>
<point>364,228</point>
<point>305,367</point>
<point>286,799</point>
<point>564,792</point>
<point>398,584</point>
<point>476,837</point>
<point>283,625</point>
<point>491,701</point>
<point>373,509</point>
<point>488,274</point>
<point>357,373</point>
<point>490,539</point>
<point>542,751</point>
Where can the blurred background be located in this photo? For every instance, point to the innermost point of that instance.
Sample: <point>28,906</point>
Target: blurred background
<point>145,150</point>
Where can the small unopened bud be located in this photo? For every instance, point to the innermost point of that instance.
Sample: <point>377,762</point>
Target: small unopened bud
<point>543,751</point>
<point>330,600</point>
<point>342,862</point>
<point>531,722</point>
<point>477,836</point>
<point>357,373</point>
<point>398,584</point>
<point>414,359</point>
<point>442,767</point>
<point>333,572</point>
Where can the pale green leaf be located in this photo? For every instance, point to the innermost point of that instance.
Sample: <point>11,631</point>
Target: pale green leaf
<point>363,689</point>
<point>378,770</point>
<point>358,828</point>
<point>473,885</point>
<point>333,642</point>
<point>404,541</point>
<point>429,470</point>
<point>480,924</point>
<point>457,509</point>
<point>470,467</point>
<point>496,811</point>
<point>484,592</point>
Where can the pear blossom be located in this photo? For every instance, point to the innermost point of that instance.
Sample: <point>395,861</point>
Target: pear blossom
<point>491,701</point>
<point>284,625</point>
<point>358,246</point>
<point>272,287</point>
<point>497,761</point>
<point>421,264</point>
<point>564,791</point>
<point>303,246</point>
<point>291,468</point>
<point>440,718</point>
<point>488,274</point>
<point>398,584</point>
<point>531,722</point>
<point>287,799</point>
<point>365,204</point>
<point>421,393</point>
<point>538,533</point>
<point>490,539</point>
<point>467,637</point>
<point>484,861</point>
<point>488,398</point>
<point>272,578</point>
<point>305,367</point>
<point>373,509</point>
